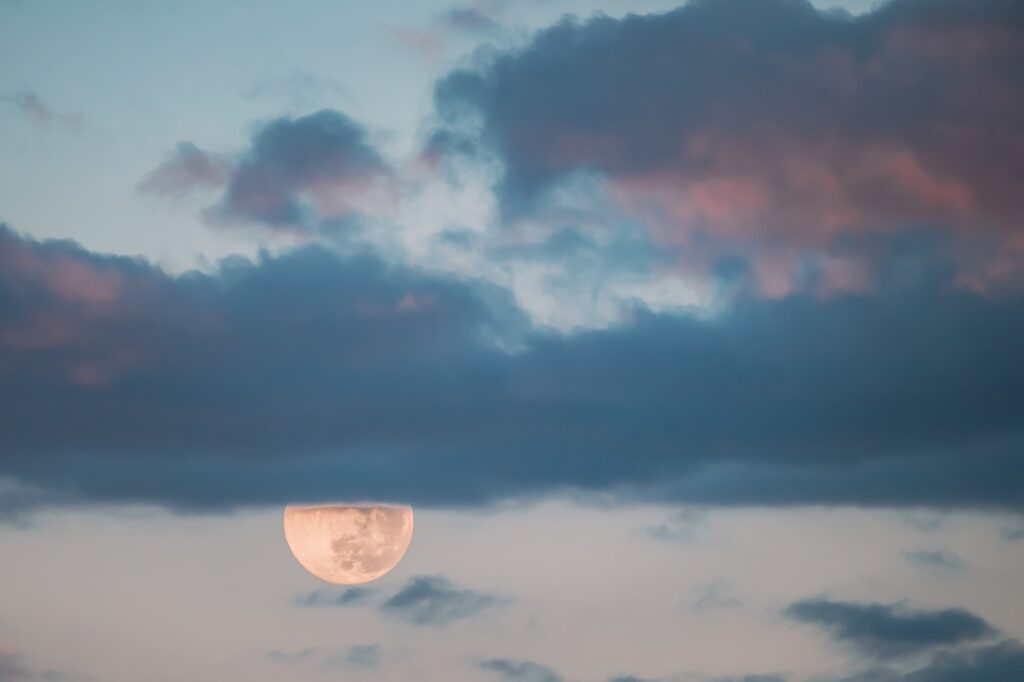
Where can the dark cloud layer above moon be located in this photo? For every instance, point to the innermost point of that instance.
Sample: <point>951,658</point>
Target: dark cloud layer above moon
<point>313,376</point>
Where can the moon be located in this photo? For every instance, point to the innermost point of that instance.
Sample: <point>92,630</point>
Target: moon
<point>348,545</point>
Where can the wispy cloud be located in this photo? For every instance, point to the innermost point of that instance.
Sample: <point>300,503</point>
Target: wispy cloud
<point>186,169</point>
<point>359,656</point>
<point>33,106</point>
<point>436,601</point>
<point>520,671</point>
<point>330,597</point>
<point>937,560</point>
<point>687,525</point>
<point>716,596</point>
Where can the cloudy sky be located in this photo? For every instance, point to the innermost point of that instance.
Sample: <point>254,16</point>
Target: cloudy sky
<point>692,333</point>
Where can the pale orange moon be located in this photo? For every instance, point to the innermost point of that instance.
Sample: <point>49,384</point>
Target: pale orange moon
<point>348,545</point>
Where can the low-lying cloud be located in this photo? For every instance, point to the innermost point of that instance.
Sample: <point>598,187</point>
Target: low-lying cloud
<point>885,631</point>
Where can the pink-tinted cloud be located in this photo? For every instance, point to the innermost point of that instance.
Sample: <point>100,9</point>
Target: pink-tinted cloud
<point>34,107</point>
<point>428,43</point>
<point>296,175</point>
<point>308,375</point>
<point>187,169</point>
<point>754,123</point>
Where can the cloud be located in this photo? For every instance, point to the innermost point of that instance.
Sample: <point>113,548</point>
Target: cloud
<point>716,596</point>
<point>435,601</point>
<point>33,106</point>
<point>12,668</point>
<point>685,526</point>
<point>359,656</point>
<point>319,162</point>
<point>524,671</point>
<point>325,597</point>
<point>296,174</point>
<point>468,18</point>
<point>890,631</point>
<point>1013,532</point>
<point>1002,662</point>
<point>383,380</point>
<point>461,21</point>
<point>942,561</point>
<point>187,169</point>
<point>764,126</point>
<point>294,656</point>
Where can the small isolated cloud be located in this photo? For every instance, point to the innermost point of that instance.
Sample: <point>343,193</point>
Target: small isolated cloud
<point>33,106</point>
<point>317,163</point>
<point>887,631</point>
<point>294,656</point>
<point>937,560</point>
<point>360,655</point>
<point>685,526</point>
<point>520,671</point>
<point>434,600</point>
<point>924,521</point>
<point>427,43</point>
<point>716,596</point>
<point>295,173</point>
<point>468,18</point>
<point>432,40</point>
<point>300,88</point>
<point>329,597</point>
<point>1013,532</point>
<point>186,169</point>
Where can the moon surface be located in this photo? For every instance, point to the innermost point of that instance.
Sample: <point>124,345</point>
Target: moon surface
<point>348,545</point>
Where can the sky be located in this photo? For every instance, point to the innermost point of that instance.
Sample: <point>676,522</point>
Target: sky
<point>690,330</point>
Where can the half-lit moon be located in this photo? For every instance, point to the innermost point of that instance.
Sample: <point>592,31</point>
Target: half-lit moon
<point>348,545</point>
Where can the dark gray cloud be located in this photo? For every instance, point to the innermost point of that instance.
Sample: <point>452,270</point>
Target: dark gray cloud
<point>325,597</point>
<point>325,154</point>
<point>311,376</point>
<point>1002,662</point>
<point>295,173</point>
<point>764,127</point>
<point>890,631</point>
<point>436,601</point>
<point>524,671</point>
<point>940,560</point>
